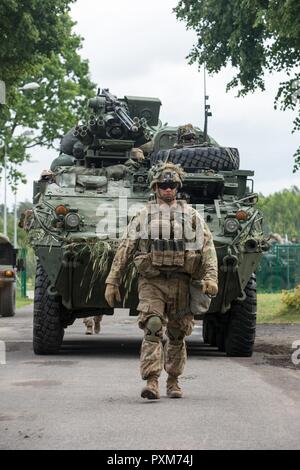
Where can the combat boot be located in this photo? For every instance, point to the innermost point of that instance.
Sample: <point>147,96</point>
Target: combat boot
<point>151,391</point>
<point>97,327</point>
<point>89,330</point>
<point>173,389</point>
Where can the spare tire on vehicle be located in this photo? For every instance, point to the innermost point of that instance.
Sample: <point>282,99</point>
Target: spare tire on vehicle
<point>195,158</point>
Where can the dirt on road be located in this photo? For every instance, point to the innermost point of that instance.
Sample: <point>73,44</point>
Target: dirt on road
<point>278,343</point>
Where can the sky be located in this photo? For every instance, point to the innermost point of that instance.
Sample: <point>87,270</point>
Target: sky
<point>137,47</point>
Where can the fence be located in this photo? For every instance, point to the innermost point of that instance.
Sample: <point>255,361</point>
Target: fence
<point>279,268</point>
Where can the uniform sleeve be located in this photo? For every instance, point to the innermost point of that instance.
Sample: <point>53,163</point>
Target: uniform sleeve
<point>124,252</point>
<point>208,266</point>
<point>209,257</point>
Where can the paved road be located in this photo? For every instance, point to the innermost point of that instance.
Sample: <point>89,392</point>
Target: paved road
<point>87,397</point>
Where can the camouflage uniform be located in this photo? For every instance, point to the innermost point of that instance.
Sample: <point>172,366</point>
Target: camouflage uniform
<point>92,324</point>
<point>186,136</point>
<point>164,290</point>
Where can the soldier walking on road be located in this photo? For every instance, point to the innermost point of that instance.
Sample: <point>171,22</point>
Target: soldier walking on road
<point>171,247</point>
<point>93,324</point>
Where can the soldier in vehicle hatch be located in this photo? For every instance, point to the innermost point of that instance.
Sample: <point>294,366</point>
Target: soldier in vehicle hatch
<point>186,136</point>
<point>171,245</point>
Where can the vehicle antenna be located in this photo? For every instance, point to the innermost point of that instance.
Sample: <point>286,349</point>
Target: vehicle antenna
<point>207,112</point>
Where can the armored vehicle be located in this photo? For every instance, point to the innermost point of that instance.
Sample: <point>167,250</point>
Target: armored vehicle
<point>7,278</point>
<point>99,181</point>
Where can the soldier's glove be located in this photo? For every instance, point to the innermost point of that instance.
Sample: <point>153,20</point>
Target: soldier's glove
<point>210,288</point>
<point>112,294</point>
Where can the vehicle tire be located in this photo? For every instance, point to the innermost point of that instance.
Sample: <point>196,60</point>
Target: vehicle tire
<point>221,332</point>
<point>213,158</point>
<point>242,323</point>
<point>209,331</point>
<point>8,300</point>
<point>205,331</point>
<point>214,331</point>
<point>48,331</point>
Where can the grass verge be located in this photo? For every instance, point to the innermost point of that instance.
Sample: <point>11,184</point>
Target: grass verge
<point>21,302</point>
<point>270,309</point>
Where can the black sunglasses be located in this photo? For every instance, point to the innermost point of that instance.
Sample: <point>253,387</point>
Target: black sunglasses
<point>166,185</point>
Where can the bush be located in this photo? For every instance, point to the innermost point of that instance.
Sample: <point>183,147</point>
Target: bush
<point>292,298</point>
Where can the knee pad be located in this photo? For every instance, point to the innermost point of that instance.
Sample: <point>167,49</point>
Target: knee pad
<point>175,335</point>
<point>153,329</point>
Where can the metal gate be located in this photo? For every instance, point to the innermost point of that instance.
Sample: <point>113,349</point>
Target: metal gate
<point>279,268</point>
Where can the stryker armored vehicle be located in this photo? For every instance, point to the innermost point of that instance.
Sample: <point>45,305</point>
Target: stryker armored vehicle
<point>99,181</point>
<point>7,278</point>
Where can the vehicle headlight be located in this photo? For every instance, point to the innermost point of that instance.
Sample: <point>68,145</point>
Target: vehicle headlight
<point>242,215</point>
<point>9,273</point>
<point>231,225</point>
<point>72,221</point>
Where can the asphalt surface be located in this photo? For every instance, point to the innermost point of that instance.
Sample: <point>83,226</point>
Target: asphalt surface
<point>88,395</point>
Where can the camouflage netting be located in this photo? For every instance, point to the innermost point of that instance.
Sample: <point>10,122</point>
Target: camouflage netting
<point>99,253</point>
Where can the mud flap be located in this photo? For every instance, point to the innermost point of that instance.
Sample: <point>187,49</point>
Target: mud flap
<point>230,269</point>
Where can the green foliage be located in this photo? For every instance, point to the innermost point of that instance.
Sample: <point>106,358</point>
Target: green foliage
<point>292,299</point>
<point>10,227</point>
<point>270,309</point>
<point>98,255</point>
<point>21,236</point>
<point>281,212</point>
<point>253,36</point>
<point>20,302</point>
<point>64,89</point>
<point>30,29</point>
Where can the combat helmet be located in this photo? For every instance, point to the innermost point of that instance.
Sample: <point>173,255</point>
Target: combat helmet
<point>186,134</point>
<point>166,172</point>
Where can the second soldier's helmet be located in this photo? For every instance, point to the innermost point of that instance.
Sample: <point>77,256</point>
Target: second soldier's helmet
<point>186,133</point>
<point>166,172</point>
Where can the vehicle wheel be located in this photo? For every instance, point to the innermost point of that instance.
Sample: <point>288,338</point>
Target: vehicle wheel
<point>48,331</point>
<point>221,331</point>
<point>214,330</point>
<point>242,323</point>
<point>209,331</point>
<point>214,158</point>
<point>205,331</point>
<point>8,300</point>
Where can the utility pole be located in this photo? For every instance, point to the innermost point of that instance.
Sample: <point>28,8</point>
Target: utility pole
<point>15,220</point>
<point>2,102</point>
<point>25,88</point>
<point>5,196</point>
<point>207,112</point>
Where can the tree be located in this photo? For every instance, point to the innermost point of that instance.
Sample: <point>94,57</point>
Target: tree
<point>282,212</point>
<point>21,237</point>
<point>30,29</point>
<point>254,36</point>
<point>52,109</point>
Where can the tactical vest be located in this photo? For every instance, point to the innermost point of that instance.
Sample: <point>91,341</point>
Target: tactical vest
<point>164,234</point>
